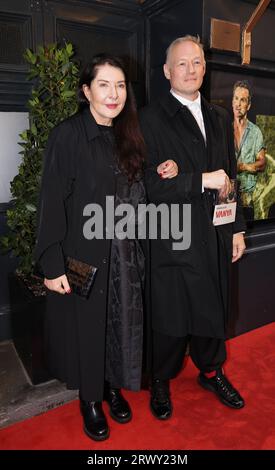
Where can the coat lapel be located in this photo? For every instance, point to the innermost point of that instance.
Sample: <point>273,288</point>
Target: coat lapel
<point>191,124</point>
<point>185,130</point>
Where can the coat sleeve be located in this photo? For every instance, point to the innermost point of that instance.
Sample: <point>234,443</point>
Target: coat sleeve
<point>182,188</point>
<point>56,186</point>
<point>239,225</point>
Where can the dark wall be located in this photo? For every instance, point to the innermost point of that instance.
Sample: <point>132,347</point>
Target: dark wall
<point>253,281</point>
<point>20,27</point>
<point>140,33</point>
<point>92,26</point>
<point>171,20</point>
<point>239,11</point>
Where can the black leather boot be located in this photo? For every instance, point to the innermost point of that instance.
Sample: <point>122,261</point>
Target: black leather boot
<point>120,410</point>
<point>95,423</point>
<point>160,403</point>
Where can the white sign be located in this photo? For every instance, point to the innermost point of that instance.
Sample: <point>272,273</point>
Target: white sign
<point>224,213</point>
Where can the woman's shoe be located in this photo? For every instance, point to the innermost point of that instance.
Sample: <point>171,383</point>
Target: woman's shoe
<point>95,423</point>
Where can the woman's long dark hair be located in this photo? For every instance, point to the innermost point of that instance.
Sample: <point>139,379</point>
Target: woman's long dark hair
<point>130,145</point>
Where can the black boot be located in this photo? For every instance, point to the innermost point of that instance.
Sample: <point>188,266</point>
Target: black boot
<point>120,410</point>
<point>95,423</point>
<point>160,403</point>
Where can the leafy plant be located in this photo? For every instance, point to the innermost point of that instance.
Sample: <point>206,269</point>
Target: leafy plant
<point>53,98</point>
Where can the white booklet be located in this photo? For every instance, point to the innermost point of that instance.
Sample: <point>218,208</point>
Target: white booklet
<point>225,207</point>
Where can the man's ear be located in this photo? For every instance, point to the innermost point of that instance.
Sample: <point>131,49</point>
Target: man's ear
<point>166,71</point>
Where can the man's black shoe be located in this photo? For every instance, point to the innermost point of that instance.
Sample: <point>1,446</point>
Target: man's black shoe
<point>95,423</point>
<point>220,385</point>
<point>120,410</point>
<point>160,403</point>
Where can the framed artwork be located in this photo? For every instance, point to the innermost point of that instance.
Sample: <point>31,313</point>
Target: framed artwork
<point>252,107</point>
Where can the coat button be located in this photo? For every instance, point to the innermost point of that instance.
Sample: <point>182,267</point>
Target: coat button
<point>104,260</point>
<point>101,291</point>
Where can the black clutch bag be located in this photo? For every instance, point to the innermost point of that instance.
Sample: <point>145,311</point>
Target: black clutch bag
<point>81,276</point>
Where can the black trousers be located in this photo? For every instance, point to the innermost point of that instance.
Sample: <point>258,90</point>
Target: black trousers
<point>208,354</point>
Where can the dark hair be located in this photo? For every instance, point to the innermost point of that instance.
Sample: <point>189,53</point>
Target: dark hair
<point>130,145</point>
<point>243,84</point>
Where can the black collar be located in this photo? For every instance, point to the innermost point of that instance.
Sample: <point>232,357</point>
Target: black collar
<point>170,104</point>
<point>92,129</point>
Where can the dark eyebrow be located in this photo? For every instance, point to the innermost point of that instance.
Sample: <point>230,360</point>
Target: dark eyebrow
<point>107,81</point>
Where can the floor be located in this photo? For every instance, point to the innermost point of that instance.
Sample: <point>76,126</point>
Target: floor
<point>19,398</point>
<point>199,422</point>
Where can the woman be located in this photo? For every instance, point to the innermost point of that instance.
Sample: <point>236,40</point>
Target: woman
<point>94,345</point>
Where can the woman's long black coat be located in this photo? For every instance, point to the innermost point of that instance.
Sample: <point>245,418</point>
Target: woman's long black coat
<point>189,288</point>
<point>76,172</point>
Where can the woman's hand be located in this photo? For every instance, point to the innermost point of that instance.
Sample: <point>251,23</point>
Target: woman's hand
<point>168,169</point>
<point>60,284</point>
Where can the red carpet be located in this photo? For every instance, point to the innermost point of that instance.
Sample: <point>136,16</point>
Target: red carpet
<point>200,421</point>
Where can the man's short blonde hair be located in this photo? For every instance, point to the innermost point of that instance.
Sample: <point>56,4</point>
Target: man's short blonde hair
<point>186,38</point>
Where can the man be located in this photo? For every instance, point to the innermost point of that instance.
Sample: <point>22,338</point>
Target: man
<point>249,145</point>
<point>189,288</point>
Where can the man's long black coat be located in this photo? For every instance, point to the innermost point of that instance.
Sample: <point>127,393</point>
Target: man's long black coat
<point>189,288</point>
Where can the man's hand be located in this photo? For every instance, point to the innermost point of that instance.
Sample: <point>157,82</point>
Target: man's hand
<point>168,169</point>
<point>217,180</point>
<point>238,246</point>
<point>60,284</point>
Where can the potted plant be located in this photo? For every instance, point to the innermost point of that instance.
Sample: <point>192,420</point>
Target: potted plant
<point>53,98</point>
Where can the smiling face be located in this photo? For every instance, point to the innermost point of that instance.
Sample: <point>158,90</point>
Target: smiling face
<point>107,94</point>
<point>241,103</point>
<point>185,69</point>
